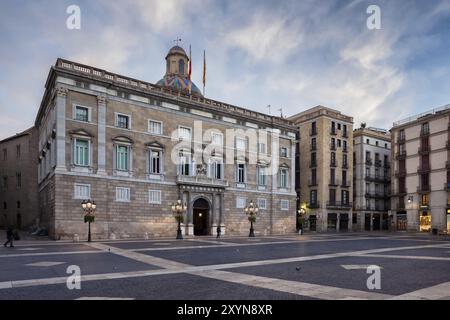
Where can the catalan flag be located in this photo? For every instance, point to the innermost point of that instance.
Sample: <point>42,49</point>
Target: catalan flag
<point>204,71</point>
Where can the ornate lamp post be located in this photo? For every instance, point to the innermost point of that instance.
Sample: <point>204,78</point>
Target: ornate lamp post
<point>300,214</point>
<point>251,210</point>
<point>178,210</point>
<point>89,214</point>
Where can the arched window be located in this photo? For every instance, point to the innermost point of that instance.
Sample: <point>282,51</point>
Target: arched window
<point>181,67</point>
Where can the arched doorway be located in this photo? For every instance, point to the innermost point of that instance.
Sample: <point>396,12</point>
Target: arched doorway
<point>200,213</point>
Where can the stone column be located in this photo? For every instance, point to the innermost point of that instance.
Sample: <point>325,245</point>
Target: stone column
<point>190,225</point>
<point>371,221</point>
<point>292,154</point>
<point>221,217</point>
<point>213,214</point>
<point>61,101</point>
<point>101,141</point>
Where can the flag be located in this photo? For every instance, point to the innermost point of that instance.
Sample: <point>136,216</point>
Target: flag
<point>190,64</point>
<point>190,70</point>
<point>204,71</point>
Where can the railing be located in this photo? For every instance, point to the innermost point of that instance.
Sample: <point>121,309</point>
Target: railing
<point>201,180</point>
<point>109,76</point>
<point>387,165</point>
<point>424,188</point>
<point>344,149</point>
<point>313,147</point>
<point>333,132</point>
<point>424,149</point>
<point>313,132</point>
<point>345,134</point>
<point>333,183</point>
<point>345,184</point>
<point>333,147</point>
<point>312,183</point>
<point>418,116</point>
<point>400,173</point>
<point>400,155</point>
<point>378,178</point>
<point>377,163</point>
<point>333,163</point>
<point>345,165</point>
<point>369,162</point>
<point>401,138</point>
<point>423,168</point>
<point>424,132</point>
<point>313,164</point>
<point>338,204</point>
<point>313,205</point>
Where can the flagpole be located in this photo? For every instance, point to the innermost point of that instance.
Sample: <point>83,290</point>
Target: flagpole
<point>190,70</point>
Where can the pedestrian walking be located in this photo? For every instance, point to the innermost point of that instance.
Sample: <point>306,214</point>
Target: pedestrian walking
<point>9,237</point>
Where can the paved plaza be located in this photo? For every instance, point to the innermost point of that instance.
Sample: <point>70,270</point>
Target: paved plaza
<point>311,266</point>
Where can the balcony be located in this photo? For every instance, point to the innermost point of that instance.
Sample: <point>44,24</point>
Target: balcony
<point>423,169</point>
<point>425,132</point>
<point>400,155</point>
<point>400,173</point>
<point>312,183</point>
<point>344,149</point>
<point>333,183</point>
<point>313,164</point>
<point>313,147</point>
<point>338,205</point>
<point>377,163</point>
<point>202,180</point>
<point>313,132</point>
<point>401,139</point>
<point>377,178</point>
<point>424,189</point>
<point>333,131</point>
<point>345,184</point>
<point>313,205</point>
<point>345,134</point>
<point>387,165</point>
<point>345,165</point>
<point>333,163</point>
<point>369,162</point>
<point>402,193</point>
<point>424,150</point>
<point>333,147</point>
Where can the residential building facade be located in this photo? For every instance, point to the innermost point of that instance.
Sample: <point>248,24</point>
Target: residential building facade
<point>18,196</point>
<point>371,179</point>
<point>135,148</point>
<point>421,172</point>
<point>324,187</point>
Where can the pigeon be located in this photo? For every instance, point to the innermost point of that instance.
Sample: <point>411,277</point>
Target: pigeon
<point>297,268</point>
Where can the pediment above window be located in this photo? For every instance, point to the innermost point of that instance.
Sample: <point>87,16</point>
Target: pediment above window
<point>262,162</point>
<point>284,165</point>
<point>154,145</point>
<point>81,133</point>
<point>122,139</point>
<point>241,159</point>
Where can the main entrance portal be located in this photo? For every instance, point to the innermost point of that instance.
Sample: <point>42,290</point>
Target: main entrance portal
<point>200,212</point>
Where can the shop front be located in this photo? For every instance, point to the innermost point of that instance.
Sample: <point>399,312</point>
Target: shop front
<point>402,221</point>
<point>424,221</point>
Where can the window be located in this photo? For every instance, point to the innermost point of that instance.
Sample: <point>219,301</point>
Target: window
<point>181,67</point>
<point>122,158</point>
<point>240,202</point>
<point>217,139</point>
<point>344,177</point>
<point>261,147</point>
<point>385,146</point>
<point>339,143</point>
<point>240,176</point>
<point>313,159</point>
<point>332,176</point>
<point>215,169</point>
<point>313,144</point>
<point>19,180</point>
<point>123,121</point>
<point>344,197</point>
<point>333,143</point>
<point>367,172</point>
<point>155,162</point>
<point>425,128</point>
<point>313,177</point>
<point>283,178</point>
<point>122,194</point>
<point>344,145</point>
<point>284,204</point>
<point>240,144</point>
<point>313,128</point>
<point>262,203</point>
<point>18,151</point>
<point>81,113</point>
<point>344,161</point>
<point>367,141</point>
<point>18,204</point>
<point>333,158</point>
<point>424,200</point>
<point>313,197</point>
<point>5,154</point>
<point>284,152</point>
<point>339,126</point>
<point>354,218</point>
<point>376,143</point>
<point>82,191</point>
<point>184,161</point>
<point>401,134</point>
<point>332,193</point>
<point>262,176</point>
<point>344,130</point>
<point>155,127</point>
<point>154,196</point>
<point>81,152</point>
<point>368,157</point>
<point>184,133</point>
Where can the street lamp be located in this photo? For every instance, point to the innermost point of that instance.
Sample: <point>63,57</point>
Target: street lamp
<point>89,214</point>
<point>178,210</point>
<point>251,210</point>
<point>301,212</point>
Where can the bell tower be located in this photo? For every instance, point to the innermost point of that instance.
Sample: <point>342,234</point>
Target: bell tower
<point>177,62</point>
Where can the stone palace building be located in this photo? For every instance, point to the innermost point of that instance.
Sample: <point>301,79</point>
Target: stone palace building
<point>135,148</point>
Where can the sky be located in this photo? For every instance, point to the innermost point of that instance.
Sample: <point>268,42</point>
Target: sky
<point>289,54</point>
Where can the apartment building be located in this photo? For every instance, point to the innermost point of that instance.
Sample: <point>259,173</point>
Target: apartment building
<point>371,179</point>
<point>18,189</point>
<point>421,172</point>
<point>324,187</point>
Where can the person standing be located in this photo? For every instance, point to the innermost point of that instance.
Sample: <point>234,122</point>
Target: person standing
<point>9,237</point>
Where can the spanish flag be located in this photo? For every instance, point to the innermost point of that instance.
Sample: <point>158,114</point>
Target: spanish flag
<point>190,70</point>
<point>204,71</point>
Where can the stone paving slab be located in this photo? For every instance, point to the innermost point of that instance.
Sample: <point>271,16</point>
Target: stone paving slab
<point>398,276</point>
<point>429,252</point>
<point>18,268</point>
<point>162,287</point>
<point>156,244</point>
<point>44,248</point>
<point>221,255</point>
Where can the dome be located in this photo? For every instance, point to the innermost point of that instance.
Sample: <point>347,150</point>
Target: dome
<point>177,50</point>
<point>178,82</point>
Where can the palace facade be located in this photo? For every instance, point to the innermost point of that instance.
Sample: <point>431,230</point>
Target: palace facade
<point>135,148</point>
